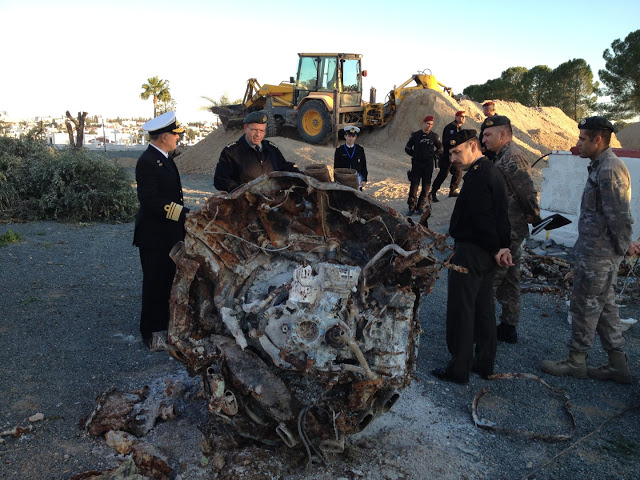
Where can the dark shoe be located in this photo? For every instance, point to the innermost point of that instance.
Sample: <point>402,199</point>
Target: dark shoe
<point>507,333</point>
<point>442,374</point>
<point>481,374</point>
<point>411,211</point>
<point>454,193</point>
<point>434,197</point>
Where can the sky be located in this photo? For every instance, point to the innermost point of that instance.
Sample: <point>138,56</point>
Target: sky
<point>95,56</point>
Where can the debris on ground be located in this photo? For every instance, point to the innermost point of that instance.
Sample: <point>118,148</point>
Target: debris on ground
<point>295,301</point>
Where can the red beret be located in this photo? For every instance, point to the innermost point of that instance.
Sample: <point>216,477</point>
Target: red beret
<point>487,104</point>
<point>460,113</point>
<point>428,118</point>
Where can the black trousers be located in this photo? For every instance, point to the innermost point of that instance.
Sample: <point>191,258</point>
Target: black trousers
<point>445,167</point>
<point>471,312</point>
<point>420,173</point>
<point>158,271</point>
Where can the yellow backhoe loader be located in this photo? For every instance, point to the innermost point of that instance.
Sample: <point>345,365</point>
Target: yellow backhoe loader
<point>324,97</point>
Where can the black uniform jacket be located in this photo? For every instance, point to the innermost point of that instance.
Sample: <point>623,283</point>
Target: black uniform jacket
<point>342,159</point>
<point>240,163</point>
<point>480,215</point>
<point>423,147</point>
<point>447,133</point>
<point>160,195</point>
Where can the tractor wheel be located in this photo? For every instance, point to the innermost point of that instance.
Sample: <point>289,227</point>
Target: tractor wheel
<point>314,122</point>
<point>273,127</point>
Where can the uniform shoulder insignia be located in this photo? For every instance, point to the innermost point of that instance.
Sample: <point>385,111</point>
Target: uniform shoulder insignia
<point>230,144</point>
<point>475,167</point>
<point>513,167</point>
<point>159,163</point>
<point>272,144</point>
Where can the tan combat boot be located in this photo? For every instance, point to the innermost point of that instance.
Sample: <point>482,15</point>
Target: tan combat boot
<point>617,369</point>
<point>574,365</point>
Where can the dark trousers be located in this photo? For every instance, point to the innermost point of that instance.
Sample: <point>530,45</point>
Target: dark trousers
<point>158,271</point>
<point>420,173</point>
<point>471,312</point>
<point>445,167</point>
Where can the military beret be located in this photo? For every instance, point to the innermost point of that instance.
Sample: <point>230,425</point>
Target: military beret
<point>255,117</point>
<point>495,121</point>
<point>461,113</point>
<point>488,104</point>
<point>428,118</point>
<point>596,123</point>
<point>352,130</point>
<point>164,123</point>
<point>462,136</point>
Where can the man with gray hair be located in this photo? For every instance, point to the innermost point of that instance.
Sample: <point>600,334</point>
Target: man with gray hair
<point>523,209</point>
<point>604,235</point>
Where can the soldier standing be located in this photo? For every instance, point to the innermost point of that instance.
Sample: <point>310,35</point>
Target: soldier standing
<point>424,146</point>
<point>250,156</point>
<point>480,228</point>
<point>488,110</point>
<point>604,235</point>
<point>351,155</point>
<point>159,222</point>
<point>444,163</point>
<point>523,209</point>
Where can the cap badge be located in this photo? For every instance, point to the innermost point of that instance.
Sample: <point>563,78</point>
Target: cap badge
<point>583,121</point>
<point>452,142</point>
<point>489,123</point>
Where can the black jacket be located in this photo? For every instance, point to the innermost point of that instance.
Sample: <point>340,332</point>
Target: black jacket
<point>161,199</point>
<point>423,147</point>
<point>240,163</point>
<point>447,133</point>
<point>345,157</point>
<point>480,215</point>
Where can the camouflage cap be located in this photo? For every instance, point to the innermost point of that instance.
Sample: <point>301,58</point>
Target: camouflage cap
<point>596,123</point>
<point>255,117</point>
<point>462,136</point>
<point>495,121</point>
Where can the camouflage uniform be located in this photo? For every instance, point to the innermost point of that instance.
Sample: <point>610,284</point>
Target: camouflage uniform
<point>604,234</point>
<point>523,201</point>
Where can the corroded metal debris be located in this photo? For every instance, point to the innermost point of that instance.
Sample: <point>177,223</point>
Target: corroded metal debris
<point>296,301</point>
<point>489,425</point>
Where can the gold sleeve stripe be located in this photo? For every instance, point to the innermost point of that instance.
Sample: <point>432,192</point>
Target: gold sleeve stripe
<point>173,211</point>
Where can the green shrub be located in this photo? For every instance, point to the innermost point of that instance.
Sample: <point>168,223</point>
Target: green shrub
<point>40,183</point>
<point>9,237</point>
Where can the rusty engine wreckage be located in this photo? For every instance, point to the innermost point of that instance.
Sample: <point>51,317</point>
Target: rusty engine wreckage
<point>296,301</point>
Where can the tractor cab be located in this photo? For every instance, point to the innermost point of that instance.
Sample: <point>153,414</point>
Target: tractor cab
<point>322,73</point>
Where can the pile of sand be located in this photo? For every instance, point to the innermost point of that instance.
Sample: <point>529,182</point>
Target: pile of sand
<point>630,136</point>
<point>537,130</point>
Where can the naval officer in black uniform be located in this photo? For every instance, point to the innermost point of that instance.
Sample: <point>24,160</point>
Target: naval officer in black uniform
<point>482,233</point>
<point>351,155</point>
<point>159,222</point>
<point>250,156</point>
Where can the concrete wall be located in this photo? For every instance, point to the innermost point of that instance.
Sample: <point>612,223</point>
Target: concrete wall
<point>564,180</point>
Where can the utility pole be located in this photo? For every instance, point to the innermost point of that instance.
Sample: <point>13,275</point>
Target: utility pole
<point>104,137</point>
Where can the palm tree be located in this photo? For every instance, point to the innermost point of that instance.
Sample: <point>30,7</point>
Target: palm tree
<point>157,88</point>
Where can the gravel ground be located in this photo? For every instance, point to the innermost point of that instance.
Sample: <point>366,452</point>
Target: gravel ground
<point>69,305</point>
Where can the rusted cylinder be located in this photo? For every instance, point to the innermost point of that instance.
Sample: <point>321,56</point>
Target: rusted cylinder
<point>346,176</point>
<point>319,172</point>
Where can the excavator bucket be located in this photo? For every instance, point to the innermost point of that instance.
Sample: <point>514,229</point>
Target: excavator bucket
<point>231,116</point>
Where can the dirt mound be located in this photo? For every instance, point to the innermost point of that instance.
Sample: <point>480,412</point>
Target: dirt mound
<point>630,136</point>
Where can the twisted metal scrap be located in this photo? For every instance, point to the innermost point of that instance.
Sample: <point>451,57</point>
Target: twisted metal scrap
<point>489,425</point>
<point>296,301</point>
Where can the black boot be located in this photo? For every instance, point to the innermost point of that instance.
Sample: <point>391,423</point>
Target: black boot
<point>507,333</point>
<point>433,194</point>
